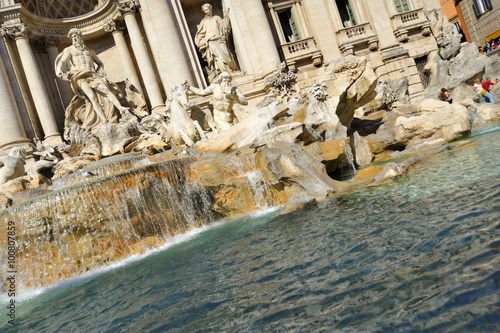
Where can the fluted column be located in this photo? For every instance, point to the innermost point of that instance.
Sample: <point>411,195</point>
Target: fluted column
<point>42,103</point>
<point>146,68</point>
<point>116,30</point>
<point>12,132</point>
<point>166,41</point>
<point>253,40</point>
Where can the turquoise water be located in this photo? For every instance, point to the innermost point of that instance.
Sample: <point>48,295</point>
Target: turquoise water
<point>420,254</point>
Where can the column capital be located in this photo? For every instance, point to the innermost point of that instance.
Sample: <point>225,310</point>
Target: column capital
<point>114,26</point>
<point>45,42</point>
<point>16,31</point>
<point>129,7</point>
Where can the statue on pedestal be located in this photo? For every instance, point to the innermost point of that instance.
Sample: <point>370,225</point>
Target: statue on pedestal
<point>212,41</point>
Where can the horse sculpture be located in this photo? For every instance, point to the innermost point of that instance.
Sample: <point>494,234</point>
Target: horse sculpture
<point>182,128</point>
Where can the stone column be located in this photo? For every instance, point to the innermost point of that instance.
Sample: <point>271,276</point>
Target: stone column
<point>12,132</point>
<point>49,44</point>
<point>146,68</point>
<point>116,29</point>
<point>43,107</point>
<point>255,48</point>
<point>166,41</point>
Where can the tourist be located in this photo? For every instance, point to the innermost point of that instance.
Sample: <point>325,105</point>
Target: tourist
<point>478,89</point>
<point>224,96</point>
<point>486,84</point>
<point>445,94</point>
<point>211,38</point>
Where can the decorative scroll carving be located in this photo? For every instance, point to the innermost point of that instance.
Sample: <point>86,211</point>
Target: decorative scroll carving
<point>14,32</point>
<point>114,25</point>
<point>128,7</point>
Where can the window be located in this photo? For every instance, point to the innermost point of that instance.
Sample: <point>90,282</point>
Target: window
<point>481,6</point>
<point>422,72</point>
<point>289,25</point>
<point>402,6</point>
<point>346,13</point>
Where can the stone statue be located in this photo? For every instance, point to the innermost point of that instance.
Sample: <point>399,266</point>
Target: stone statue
<point>46,160</point>
<point>12,165</point>
<point>447,36</point>
<point>224,96</point>
<point>96,97</point>
<point>212,41</point>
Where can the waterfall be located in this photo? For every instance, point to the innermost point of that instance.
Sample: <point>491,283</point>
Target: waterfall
<point>350,171</point>
<point>102,219</point>
<point>246,169</point>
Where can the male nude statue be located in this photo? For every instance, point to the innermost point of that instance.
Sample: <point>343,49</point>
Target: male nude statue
<point>84,70</point>
<point>224,96</point>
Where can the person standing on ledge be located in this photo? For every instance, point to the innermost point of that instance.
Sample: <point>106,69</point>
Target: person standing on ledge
<point>224,96</point>
<point>211,38</point>
<point>84,70</point>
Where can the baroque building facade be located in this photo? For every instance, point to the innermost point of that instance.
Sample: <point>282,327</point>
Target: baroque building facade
<point>150,43</point>
<point>482,19</point>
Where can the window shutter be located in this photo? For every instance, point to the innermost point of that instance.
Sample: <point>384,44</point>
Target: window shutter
<point>476,9</point>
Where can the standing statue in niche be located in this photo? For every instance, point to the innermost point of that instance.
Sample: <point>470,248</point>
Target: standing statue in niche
<point>212,41</point>
<point>96,97</point>
<point>224,96</point>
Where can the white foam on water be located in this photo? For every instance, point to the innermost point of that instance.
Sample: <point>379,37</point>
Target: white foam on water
<point>27,294</point>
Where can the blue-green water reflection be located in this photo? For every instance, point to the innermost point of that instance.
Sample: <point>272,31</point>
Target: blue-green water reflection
<point>420,254</point>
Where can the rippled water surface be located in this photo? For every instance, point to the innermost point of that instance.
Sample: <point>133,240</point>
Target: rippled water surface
<point>420,254</point>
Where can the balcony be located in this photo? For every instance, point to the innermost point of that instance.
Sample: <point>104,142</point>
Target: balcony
<point>304,49</point>
<point>403,23</point>
<point>357,37</point>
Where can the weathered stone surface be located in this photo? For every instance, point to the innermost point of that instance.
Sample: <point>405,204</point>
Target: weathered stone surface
<point>327,150</point>
<point>361,150</point>
<point>350,83</point>
<point>433,120</point>
<point>467,65</point>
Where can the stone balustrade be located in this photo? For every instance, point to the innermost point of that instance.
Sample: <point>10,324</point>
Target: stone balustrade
<point>357,37</point>
<point>301,50</point>
<point>403,23</point>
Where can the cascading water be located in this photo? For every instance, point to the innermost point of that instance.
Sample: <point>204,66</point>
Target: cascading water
<point>254,179</point>
<point>100,220</point>
<point>351,168</point>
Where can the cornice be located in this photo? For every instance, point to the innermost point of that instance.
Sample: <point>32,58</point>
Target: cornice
<point>90,24</point>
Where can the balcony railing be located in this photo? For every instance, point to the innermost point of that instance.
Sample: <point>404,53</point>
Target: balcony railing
<point>412,20</point>
<point>359,36</point>
<point>301,50</point>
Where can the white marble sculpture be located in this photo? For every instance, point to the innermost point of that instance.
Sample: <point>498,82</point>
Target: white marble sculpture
<point>224,96</point>
<point>212,41</point>
<point>47,159</point>
<point>12,165</point>
<point>96,97</point>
